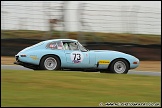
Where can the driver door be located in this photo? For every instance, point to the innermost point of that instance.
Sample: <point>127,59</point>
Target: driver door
<point>74,57</point>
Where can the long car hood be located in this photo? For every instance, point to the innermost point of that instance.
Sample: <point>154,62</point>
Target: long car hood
<point>106,51</point>
<point>109,52</point>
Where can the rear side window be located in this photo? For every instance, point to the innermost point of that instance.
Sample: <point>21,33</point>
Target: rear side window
<point>55,45</point>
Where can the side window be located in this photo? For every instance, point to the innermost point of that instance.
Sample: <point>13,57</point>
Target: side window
<point>66,46</point>
<point>59,45</point>
<point>52,45</point>
<point>70,46</point>
<point>55,45</point>
<point>73,46</point>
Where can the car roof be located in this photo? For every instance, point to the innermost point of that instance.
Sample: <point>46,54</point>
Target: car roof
<point>60,40</point>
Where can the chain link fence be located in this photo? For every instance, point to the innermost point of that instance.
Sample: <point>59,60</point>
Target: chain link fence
<point>44,19</point>
<point>121,19</point>
<point>95,18</point>
<point>47,19</point>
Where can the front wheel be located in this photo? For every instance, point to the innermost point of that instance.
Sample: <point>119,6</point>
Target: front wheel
<point>119,66</point>
<point>50,63</point>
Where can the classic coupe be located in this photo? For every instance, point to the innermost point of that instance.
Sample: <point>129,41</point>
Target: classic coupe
<point>62,54</point>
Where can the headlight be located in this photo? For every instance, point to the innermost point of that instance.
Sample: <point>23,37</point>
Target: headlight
<point>136,61</point>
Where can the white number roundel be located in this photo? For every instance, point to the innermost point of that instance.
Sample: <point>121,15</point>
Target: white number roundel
<point>76,57</point>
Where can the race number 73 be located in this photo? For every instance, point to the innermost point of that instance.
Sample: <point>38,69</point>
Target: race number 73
<point>77,56</point>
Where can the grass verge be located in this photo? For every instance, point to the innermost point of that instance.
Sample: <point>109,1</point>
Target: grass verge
<point>47,88</point>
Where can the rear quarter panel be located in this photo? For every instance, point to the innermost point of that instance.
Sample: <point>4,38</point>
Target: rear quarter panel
<point>34,56</point>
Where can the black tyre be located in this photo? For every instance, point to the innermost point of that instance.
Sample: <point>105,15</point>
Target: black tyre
<point>119,66</point>
<point>50,63</point>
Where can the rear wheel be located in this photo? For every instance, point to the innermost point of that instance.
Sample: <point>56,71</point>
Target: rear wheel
<point>50,63</point>
<point>119,66</point>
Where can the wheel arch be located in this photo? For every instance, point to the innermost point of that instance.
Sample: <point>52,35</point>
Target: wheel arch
<point>50,55</point>
<point>119,59</point>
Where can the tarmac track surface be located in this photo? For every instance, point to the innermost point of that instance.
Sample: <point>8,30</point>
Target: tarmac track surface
<point>16,67</point>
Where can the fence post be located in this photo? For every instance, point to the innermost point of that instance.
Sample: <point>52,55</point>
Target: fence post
<point>80,35</point>
<point>64,31</point>
<point>133,22</point>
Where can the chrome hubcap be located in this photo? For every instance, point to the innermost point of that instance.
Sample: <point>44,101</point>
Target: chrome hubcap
<point>50,63</point>
<point>119,67</point>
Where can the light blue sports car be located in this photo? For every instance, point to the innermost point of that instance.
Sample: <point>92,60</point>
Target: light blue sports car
<point>59,54</point>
